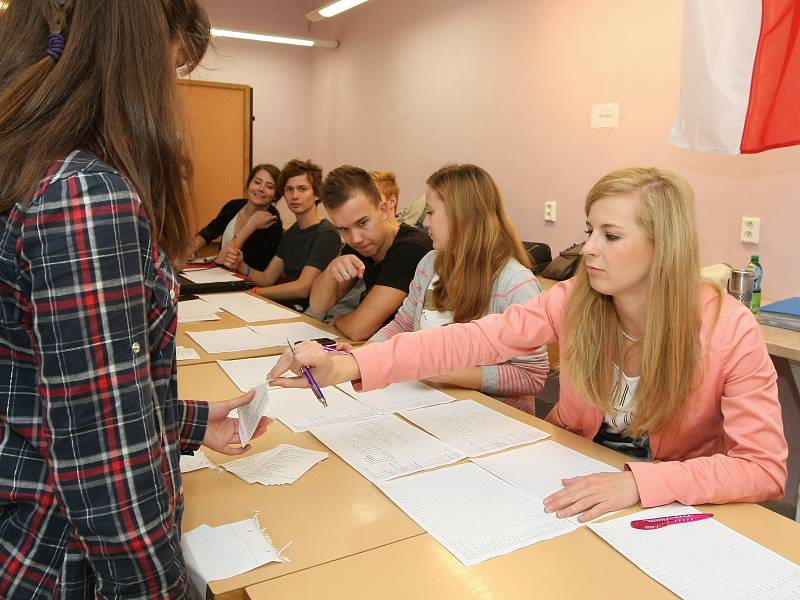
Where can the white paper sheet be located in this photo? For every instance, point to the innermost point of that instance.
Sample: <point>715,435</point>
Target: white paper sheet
<point>300,410</point>
<point>212,275</point>
<point>702,560</point>
<point>472,428</point>
<point>281,465</point>
<point>250,414</point>
<point>276,335</point>
<point>385,447</point>
<point>538,469</point>
<point>185,353</point>
<point>398,396</point>
<point>229,340</point>
<point>213,553</point>
<point>247,373</point>
<point>472,513</point>
<point>191,463</point>
<point>248,307</point>
<point>192,311</point>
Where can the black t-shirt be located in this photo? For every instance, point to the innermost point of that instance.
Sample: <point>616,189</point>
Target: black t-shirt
<point>260,247</point>
<point>397,268</point>
<point>313,246</point>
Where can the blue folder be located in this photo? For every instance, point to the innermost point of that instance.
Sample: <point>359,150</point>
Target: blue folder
<point>789,306</point>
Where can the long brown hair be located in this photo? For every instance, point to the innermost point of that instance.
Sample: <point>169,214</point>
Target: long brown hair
<point>671,345</point>
<point>481,241</point>
<point>114,85</point>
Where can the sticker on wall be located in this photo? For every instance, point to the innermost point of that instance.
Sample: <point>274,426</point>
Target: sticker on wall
<point>605,116</point>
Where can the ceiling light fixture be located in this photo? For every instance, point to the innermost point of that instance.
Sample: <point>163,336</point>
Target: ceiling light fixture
<point>274,39</point>
<point>332,9</point>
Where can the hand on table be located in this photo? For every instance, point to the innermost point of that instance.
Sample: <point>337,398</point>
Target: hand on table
<point>593,495</point>
<point>222,431</point>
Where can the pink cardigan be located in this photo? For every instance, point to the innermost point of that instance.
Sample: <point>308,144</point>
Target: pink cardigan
<point>727,447</point>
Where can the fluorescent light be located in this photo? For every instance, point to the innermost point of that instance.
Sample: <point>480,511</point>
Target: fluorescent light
<point>332,9</point>
<point>275,39</point>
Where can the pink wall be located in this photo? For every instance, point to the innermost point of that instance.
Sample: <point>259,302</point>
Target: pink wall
<point>508,85</point>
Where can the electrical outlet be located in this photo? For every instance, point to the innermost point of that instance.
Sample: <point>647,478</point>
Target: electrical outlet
<point>550,212</point>
<point>751,230</point>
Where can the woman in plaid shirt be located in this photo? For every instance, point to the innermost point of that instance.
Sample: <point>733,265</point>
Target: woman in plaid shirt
<point>92,218</point>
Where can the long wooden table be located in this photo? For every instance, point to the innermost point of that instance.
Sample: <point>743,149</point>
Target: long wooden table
<point>350,541</point>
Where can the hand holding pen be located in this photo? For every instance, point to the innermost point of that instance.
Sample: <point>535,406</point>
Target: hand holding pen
<point>309,377</point>
<point>326,366</point>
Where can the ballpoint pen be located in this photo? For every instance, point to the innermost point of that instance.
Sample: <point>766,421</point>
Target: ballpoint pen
<point>659,522</point>
<point>307,373</point>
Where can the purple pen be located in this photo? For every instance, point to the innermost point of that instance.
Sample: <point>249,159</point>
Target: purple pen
<point>307,373</point>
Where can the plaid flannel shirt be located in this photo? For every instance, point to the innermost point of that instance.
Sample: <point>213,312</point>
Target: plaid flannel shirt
<point>91,429</point>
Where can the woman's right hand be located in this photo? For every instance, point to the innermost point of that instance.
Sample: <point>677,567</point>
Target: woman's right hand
<point>262,219</point>
<point>328,368</point>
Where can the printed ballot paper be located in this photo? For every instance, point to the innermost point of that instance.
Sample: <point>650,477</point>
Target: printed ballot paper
<point>250,414</point>
<point>213,553</point>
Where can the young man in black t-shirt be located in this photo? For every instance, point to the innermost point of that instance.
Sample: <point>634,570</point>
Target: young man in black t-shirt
<point>378,250</point>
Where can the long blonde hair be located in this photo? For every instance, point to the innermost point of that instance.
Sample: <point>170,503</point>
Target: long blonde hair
<point>481,241</point>
<point>671,346</point>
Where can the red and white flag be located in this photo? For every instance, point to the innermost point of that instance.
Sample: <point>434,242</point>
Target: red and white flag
<point>740,76</point>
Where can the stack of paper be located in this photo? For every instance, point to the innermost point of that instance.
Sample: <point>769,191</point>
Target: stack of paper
<point>702,560</point>
<point>213,553</point>
<point>191,311</point>
<point>247,307</point>
<point>212,275</point>
<point>281,465</point>
<point>191,463</point>
<point>250,414</point>
<point>398,396</point>
<point>472,428</point>
<point>385,447</point>
<point>472,513</point>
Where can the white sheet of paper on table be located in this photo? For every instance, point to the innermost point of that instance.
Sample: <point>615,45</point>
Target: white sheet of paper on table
<point>539,468</point>
<point>276,335</point>
<point>385,447</point>
<point>195,462</point>
<point>184,353</point>
<point>398,396</point>
<point>229,340</point>
<point>473,428</point>
<point>195,310</point>
<point>248,307</point>
<point>702,560</point>
<point>213,553</point>
<point>250,414</point>
<point>247,373</point>
<point>472,513</point>
<point>212,275</point>
<point>300,410</point>
<point>283,464</point>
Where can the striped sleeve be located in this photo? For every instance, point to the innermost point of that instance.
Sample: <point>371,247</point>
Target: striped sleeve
<point>405,318</point>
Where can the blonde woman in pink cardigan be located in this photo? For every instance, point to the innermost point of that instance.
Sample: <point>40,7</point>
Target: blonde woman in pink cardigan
<point>655,362</point>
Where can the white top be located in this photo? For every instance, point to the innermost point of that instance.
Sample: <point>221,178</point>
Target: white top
<point>625,405</point>
<point>430,317</point>
<point>230,232</point>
